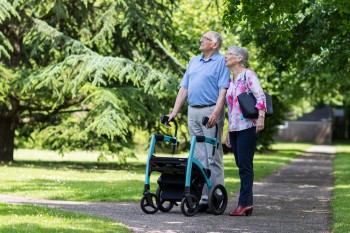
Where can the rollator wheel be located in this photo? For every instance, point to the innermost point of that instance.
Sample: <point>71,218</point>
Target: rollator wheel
<point>217,199</point>
<point>164,206</point>
<point>189,205</point>
<point>149,203</point>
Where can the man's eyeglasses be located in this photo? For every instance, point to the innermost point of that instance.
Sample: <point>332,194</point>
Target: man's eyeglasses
<point>206,38</point>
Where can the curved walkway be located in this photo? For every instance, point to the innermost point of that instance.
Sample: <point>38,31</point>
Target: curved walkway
<point>294,199</point>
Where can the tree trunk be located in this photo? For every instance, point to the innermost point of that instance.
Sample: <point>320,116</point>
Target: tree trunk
<point>7,137</point>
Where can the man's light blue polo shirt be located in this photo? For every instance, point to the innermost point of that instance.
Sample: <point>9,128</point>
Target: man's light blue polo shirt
<point>204,79</point>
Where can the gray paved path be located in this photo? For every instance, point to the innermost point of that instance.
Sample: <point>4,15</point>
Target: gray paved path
<point>294,199</point>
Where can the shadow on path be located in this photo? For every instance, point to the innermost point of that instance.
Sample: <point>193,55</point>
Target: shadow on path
<point>294,199</point>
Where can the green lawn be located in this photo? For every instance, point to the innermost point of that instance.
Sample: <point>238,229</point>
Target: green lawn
<point>34,219</point>
<point>341,192</point>
<point>78,177</point>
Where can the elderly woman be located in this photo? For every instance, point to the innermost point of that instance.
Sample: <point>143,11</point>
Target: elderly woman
<point>243,132</point>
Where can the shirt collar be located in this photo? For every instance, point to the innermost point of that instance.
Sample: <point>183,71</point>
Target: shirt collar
<point>214,57</point>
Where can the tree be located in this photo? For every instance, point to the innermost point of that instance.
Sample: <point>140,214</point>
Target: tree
<point>71,72</point>
<point>302,46</point>
<point>305,39</point>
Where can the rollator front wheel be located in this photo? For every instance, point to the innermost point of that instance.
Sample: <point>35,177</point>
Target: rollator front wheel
<point>149,203</point>
<point>189,205</point>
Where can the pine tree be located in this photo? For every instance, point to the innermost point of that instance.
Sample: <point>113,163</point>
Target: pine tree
<point>84,74</point>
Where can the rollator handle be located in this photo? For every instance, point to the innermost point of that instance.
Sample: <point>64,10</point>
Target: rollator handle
<point>165,121</point>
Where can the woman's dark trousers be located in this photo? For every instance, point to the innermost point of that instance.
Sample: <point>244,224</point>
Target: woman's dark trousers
<point>243,145</point>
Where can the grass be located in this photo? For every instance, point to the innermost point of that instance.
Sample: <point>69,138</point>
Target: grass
<point>34,219</point>
<point>54,177</point>
<point>78,177</point>
<point>69,179</point>
<point>341,192</point>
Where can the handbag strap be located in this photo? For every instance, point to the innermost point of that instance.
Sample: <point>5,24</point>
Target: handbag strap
<point>245,82</point>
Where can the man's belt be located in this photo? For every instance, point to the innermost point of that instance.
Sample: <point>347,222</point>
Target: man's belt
<point>202,106</point>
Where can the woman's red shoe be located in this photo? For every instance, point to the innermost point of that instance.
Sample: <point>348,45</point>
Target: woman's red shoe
<point>242,210</point>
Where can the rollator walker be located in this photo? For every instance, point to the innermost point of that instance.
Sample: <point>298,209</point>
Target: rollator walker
<point>181,179</point>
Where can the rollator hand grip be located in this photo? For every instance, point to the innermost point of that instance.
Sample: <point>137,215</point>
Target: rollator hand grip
<point>165,120</point>
<point>205,121</point>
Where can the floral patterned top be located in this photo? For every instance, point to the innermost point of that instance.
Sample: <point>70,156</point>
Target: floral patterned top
<point>236,121</point>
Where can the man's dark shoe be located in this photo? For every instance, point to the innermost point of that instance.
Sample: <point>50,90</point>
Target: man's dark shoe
<point>202,208</point>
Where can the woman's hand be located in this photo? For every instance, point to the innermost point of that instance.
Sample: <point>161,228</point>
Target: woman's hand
<point>260,124</point>
<point>228,143</point>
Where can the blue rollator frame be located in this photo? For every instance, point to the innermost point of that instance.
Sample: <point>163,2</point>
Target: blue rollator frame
<point>181,179</point>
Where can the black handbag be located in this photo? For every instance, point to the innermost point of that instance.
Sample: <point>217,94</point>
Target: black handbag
<point>247,103</point>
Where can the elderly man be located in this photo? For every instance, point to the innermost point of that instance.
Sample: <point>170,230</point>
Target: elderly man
<point>204,85</point>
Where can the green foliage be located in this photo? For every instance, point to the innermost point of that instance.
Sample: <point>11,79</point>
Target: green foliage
<point>305,41</point>
<point>81,74</point>
<point>302,49</point>
<point>6,11</point>
<point>73,69</point>
<point>109,92</point>
<point>5,82</point>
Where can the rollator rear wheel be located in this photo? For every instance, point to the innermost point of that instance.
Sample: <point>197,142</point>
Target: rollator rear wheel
<point>217,199</point>
<point>164,206</point>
